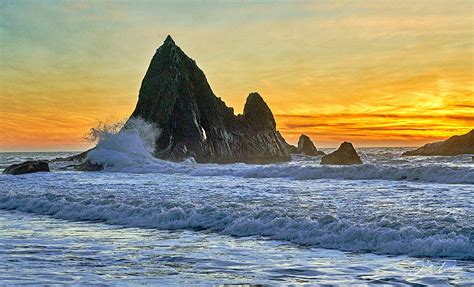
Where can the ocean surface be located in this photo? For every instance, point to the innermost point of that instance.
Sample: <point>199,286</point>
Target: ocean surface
<point>393,220</point>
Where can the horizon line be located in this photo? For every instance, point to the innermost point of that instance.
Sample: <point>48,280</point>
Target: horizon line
<point>45,151</point>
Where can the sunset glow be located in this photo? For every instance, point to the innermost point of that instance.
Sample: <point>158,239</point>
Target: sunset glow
<point>376,73</point>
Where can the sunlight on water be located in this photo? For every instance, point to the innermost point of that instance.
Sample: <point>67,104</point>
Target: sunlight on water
<point>392,220</point>
<point>41,250</point>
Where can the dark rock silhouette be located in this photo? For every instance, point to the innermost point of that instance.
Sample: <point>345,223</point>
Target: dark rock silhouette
<point>27,167</point>
<point>176,96</point>
<point>455,145</point>
<point>88,166</point>
<point>77,157</point>
<point>291,148</point>
<point>344,155</point>
<point>306,146</point>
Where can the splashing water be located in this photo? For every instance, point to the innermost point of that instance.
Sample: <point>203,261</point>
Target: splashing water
<point>414,208</point>
<point>120,145</point>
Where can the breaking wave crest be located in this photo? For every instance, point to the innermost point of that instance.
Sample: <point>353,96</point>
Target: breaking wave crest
<point>439,174</point>
<point>127,146</point>
<point>129,149</point>
<point>142,163</point>
<point>325,232</point>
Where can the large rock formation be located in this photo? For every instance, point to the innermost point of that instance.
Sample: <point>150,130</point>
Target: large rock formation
<point>455,145</point>
<point>176,96</point>
<point>344,155</point>
<point>306,146</point>
<point>27,167</point>
<point>291,148</point>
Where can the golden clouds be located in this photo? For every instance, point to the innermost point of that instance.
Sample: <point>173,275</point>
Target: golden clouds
<point>373,72</point>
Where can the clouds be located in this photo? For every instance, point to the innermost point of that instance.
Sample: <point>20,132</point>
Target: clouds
<point>83,60</point>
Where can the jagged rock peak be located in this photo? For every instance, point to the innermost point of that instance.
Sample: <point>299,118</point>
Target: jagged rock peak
<point>176,96</point>
<point>257,111</point>
<point>169,53</point>
<point>169,41</point>
<point>306,146</point>
<point>344,155</point>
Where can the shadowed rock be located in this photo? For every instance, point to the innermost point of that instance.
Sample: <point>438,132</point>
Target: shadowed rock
<point>88,166</point>
<point>291,148</point>
<point>455,145</point>
<point>77,157</point>
<point>306,146</point>
<point>176,96</point>
<point>344,155</point>
<point>27,167</point>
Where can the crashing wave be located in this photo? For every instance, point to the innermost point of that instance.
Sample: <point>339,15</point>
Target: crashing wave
<point>148,164</point>
<point>324,232</point>
<point>129,146</point>
<point>130,149</point>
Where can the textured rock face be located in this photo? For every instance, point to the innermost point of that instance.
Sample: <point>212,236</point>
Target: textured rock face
<point>306,146</point>
<point>455,145</point>
<point>344,155</point>
<point>176,96</point>
<point>291,148</point>
<point>27,167</point>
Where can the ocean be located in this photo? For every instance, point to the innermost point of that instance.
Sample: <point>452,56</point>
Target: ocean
<point>393,220</point>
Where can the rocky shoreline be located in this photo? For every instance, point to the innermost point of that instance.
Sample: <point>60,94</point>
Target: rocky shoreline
<point>455,145</point>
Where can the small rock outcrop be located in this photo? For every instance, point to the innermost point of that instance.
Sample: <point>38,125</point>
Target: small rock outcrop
<point>27,167</point>
<point>88,166</point>
<point>77,157</point>
<point>176,96</point>
<point>455,145</point>
<point>344,155</point>
<point>306,147</point>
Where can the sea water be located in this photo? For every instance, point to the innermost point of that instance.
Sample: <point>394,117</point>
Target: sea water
<point>393,220</point>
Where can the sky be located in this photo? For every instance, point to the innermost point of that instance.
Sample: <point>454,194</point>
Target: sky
<point>375,73</point>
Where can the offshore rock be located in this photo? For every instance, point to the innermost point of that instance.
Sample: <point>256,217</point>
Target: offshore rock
<point>27,167</point>
<point>344,155</point>
<point>455,145</point>
<point>88,166</point>
<point>176,96</point>
<point>77,157</point>
<point>306,147</point>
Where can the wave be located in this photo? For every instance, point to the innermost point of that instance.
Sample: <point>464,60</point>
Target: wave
<point>324,232</point>
<point>297,170</point>
<point>438,174</point>
<point>130,146</point>
<point>130,150</point>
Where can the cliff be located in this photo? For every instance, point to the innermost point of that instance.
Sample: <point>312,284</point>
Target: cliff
<point>176,96</point>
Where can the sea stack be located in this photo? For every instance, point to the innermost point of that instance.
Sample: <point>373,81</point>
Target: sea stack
<point>194,122</point>
<point>455,145</point>
<point>306,147</point>
<point>344,155</point>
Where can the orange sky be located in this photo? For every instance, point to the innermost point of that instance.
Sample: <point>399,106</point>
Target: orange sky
<point>376,73</point>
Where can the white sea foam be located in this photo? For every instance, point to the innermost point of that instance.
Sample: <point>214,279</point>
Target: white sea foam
<point>326,231</point>
<point>145,163</point>
<point>300,201</point>
<point>130,150</point>
<point>129,147</point>
<point>439,174</point>
<point>278,201</point>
